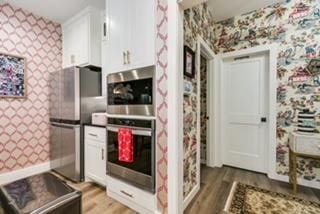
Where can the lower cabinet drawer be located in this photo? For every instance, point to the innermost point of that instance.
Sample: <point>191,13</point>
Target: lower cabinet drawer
<point>308,146</point>
<point>95,133</point>
<point>142,198</point>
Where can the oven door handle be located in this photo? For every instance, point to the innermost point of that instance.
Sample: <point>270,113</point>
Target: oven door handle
<point>134,131</point>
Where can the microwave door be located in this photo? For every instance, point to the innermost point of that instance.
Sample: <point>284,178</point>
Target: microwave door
<point>70,94</point>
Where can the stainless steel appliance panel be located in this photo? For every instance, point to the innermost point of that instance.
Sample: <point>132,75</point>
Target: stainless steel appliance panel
<point>74,96</point>
<point>141,172</point>
<point>67,150</point>
<point>55,147</point>
<point>132,92</point>
<point>42,193</point>
<point>70,94</point>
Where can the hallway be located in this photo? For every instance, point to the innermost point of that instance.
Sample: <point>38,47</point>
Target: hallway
<point>216,184</point>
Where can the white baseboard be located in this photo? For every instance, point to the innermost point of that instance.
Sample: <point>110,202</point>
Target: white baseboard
<point>203,161</point>
<point>302,182</point>
<point>191,196</point>
<point>9,177</point>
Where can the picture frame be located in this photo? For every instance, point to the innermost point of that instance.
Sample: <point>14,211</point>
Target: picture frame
<point>189,62</point>
<point>13,81</point>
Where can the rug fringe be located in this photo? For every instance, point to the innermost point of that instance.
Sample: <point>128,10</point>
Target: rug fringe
<point>230,197</point>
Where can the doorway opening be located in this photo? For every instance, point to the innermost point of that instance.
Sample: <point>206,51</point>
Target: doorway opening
<point>206,107</point>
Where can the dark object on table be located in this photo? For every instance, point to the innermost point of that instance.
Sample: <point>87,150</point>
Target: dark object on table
<point>43,193</point>
<point>189,64</point>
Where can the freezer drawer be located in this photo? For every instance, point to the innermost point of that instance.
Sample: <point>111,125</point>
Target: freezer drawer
<point>40,194</point>
<point>65,150</point>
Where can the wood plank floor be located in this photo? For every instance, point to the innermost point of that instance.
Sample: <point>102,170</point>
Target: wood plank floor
<point>95,200</point>
<point>216,184</point>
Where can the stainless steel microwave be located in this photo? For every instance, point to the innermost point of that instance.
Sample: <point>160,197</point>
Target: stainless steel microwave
<point>132,92</point>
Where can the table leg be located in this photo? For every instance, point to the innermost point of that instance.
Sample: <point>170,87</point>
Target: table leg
<point>294,172</point>
<point>290,166</point>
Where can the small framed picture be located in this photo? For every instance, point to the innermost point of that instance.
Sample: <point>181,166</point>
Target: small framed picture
<point>189,62</point>
<point>12,76</point>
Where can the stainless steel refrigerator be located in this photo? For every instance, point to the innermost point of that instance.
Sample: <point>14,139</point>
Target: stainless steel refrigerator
<point>74,95</point>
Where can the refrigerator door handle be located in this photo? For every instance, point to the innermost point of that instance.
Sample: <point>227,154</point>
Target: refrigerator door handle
<point>64,125</point>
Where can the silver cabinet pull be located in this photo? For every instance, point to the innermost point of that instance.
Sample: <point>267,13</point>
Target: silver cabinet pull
<point>141,132</point>
<point>128,57</point>
<point>93,135</point>
<point>127,194</point>
<point>102,154</point>
<point>72,59</point>
<point>124,58</point>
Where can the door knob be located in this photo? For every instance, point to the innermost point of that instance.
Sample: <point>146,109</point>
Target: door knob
<point>263,119</point>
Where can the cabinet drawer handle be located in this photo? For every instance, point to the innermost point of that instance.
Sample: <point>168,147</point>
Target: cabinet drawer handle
<point>127,194</point>
<point>102,154</point>
<point>72,59</point>
<point>105,29</point>
<point>93,135</point>
<point>124,58</point>
<point>128,57</point>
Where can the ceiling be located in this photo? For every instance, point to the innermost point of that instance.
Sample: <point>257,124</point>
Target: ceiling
<point>55,10</point>
<point>224,9</point>
<point>61,10</point>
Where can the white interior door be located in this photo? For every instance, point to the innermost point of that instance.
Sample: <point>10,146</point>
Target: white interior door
<point>244,137</point>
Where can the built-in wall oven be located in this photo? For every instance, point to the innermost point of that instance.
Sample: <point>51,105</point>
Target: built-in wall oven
<point>141,171</point>
<point>131,92</point>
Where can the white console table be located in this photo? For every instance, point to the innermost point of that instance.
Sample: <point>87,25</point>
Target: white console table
<point>304,146</point>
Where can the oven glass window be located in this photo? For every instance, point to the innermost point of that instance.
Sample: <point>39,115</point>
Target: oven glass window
<point>142,153</point>
<point>136,92</point>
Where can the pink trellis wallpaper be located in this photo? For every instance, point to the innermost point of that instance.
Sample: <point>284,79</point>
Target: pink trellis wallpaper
<point>162,69</point>
<point>295,26</point>
<point>24,123</point>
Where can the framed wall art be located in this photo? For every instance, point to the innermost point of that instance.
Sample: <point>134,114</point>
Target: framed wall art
<point>189,62</point>
<point>12,76</point>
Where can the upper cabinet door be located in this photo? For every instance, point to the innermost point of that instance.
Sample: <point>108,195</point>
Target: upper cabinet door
<point>143,33</point>
<point>82,39</point>
<point>117,35</point>
<point>131,34</point>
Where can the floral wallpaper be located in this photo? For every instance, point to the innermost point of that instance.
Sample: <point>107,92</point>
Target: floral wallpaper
<point>197,21</point>
<point>203,108</point>
<point>295,26</point>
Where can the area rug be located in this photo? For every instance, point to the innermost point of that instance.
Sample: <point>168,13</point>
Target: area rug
<point>246,199</point>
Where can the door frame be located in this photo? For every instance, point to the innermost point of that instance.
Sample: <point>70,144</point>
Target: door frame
<point>271,51</point>
<point>204,49</point>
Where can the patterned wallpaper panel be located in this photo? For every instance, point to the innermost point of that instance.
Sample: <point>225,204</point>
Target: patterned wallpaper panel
<point>24,123</point>
<point>197,21</point>
<point>162,108</point>
<point>203,108</point>
<point>295,26</point>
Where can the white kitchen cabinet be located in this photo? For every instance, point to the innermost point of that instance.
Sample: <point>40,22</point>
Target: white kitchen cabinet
<point>130,34</point>
<point>81,39</point>
<point>137,199</point>
<point>141,44</point>
<point>95,154</point>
